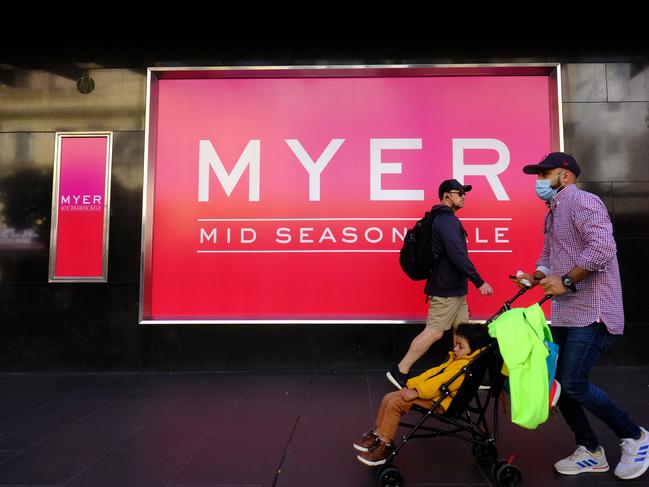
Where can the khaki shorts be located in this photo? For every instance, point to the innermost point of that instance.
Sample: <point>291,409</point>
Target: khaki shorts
<point>444,313</point>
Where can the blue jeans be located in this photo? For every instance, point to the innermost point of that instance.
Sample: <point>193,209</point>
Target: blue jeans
<point>579,351</point>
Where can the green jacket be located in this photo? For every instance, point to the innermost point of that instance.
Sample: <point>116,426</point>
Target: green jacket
<point>520,333</point>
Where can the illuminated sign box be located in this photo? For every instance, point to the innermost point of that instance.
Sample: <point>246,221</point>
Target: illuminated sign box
<point>80,207</point>
<point>284,194</point>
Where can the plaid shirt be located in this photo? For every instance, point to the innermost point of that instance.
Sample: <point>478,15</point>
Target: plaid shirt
<point>578,232</point>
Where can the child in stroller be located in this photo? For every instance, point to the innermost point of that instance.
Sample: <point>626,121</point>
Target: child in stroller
<point>423,390</point>
<point>457,404</point>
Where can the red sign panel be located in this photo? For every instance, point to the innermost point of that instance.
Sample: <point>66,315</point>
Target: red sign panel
<point>79,242</point>
<point>288,197</point>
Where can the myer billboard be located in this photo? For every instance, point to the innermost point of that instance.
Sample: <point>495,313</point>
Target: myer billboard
<point>80,207</point>
<point>285,194</point>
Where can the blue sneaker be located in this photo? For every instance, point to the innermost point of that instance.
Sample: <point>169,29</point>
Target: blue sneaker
<point>635,453</point>
<point>583,461</point>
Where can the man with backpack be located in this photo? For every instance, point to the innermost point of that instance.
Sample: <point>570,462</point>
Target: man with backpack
<point>447,286</point>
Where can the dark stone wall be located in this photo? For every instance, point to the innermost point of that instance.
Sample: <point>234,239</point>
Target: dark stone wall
<point>51,327</point>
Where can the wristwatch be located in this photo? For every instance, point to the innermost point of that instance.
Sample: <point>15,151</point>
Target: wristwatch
<point>569,283</point>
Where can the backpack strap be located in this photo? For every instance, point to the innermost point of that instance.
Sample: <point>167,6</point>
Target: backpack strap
<point>435,212</point>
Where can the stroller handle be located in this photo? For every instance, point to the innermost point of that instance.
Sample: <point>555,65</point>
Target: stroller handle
<point>508,304</point>
<point>527,286</point>
<point>545,298</point>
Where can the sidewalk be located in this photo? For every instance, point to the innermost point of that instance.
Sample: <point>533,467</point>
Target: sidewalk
<point>254,429</point>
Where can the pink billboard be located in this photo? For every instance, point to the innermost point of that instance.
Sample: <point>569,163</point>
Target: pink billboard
<point>286,197</point>
<point>79,241</point>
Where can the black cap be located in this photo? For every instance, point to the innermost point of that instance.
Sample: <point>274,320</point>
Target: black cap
<point>553,160</point>
<point>452,185</point>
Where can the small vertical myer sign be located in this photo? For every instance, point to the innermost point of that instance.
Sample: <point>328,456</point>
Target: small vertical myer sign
<point>80,207</point>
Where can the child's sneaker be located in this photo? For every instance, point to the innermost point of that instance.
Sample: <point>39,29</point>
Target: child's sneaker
<point>397,377</point>
<point>366,441</point>
<point>634,461</point>
<point>583,461</point>
<point>376,454</point>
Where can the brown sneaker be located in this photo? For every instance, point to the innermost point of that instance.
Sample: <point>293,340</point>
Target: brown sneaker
<point>366,441</point>
<point>376,454</point>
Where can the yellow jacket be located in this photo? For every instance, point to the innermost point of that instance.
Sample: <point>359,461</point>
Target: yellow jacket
<point>428,383</point>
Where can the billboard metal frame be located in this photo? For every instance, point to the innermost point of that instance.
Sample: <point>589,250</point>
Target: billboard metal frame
<point>55,206</point>
<point>154,74</point>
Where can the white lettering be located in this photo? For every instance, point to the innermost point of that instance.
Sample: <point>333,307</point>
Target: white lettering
<point>252,238</point>
<point>208,158</point>
<point>83,199</point>
<point>333,238</point>
<point>211,237</point>
<point>400,236</point>
<point>314,168</point>
<point>374,229</point>
<point>499,235</point>
<point>477,237</point>
<point>378,167</point>
<point>283,235</point>
<point>327,234</point>
<point>490,171</point>
<point>304,233</point>
<point>349,235</point>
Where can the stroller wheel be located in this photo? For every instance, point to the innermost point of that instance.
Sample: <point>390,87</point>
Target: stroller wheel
<point>508,476</point>
<point>485,454</point>
<point>390,477</point>
<point>497,465</point>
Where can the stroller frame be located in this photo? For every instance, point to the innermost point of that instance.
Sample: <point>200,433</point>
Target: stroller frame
<point>466,417</point>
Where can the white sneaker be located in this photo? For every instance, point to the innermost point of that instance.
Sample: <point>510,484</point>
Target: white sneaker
<point>583,461</point>
<point>635,453</point>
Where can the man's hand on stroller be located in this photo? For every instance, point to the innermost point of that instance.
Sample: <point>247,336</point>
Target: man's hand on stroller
<point>409,394</point>
<point>523,280</point>
<point>552,286</point>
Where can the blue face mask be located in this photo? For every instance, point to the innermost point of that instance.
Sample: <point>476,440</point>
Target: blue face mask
<point>544,189</point>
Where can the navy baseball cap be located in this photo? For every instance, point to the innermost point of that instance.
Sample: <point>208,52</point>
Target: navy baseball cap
<point>553,160</point>
<point>452,185</point>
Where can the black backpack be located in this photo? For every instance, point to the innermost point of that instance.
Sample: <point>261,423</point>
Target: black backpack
<point>417,257</point>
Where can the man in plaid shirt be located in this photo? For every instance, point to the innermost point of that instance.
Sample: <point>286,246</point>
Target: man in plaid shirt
<point>578,267</point>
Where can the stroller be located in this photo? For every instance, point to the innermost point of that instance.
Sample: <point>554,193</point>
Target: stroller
<point>466,416</point>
